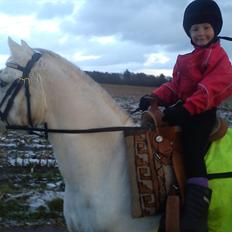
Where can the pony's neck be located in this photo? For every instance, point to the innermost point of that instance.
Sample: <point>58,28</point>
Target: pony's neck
<point>76,102</point>
<point>79,102</point>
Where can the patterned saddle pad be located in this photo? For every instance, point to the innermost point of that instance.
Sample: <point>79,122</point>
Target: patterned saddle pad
<point>151,171</point>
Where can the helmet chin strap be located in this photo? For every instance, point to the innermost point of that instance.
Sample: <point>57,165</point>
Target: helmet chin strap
<point>225,38</point>
<point>214,40</point>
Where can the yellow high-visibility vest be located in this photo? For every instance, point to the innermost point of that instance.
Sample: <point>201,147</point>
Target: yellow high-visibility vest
<point>219,160</point>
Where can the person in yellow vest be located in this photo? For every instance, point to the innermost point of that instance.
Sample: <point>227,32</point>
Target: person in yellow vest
<point>201,80</point>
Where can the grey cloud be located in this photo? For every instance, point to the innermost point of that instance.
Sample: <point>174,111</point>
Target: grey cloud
<point>141,27</point>
<point>123,53</point>
<point>226,13</point>
<point>145,22</point>
<point>51,10</point>
<point>17,7</point>
<point>3,49</point>
<point>44,11</point>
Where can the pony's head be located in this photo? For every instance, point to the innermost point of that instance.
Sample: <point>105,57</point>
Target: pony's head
<point>52,82</point>
<point>20,83</point>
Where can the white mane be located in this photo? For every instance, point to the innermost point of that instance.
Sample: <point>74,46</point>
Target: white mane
<point>76,75</point>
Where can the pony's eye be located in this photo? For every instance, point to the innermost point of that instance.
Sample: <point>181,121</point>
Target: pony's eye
<point>3,83</point>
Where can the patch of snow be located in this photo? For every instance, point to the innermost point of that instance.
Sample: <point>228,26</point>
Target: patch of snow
<point>40,199</point>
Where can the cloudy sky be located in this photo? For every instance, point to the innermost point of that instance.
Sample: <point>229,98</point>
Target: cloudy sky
<point>104,35</point>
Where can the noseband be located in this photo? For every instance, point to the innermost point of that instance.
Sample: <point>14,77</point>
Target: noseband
<point>15,87</point>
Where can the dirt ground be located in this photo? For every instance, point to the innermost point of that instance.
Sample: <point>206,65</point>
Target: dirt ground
<point>135,91</point>
<point>127,90</point>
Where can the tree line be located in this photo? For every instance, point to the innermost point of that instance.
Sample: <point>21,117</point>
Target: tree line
<point>128,78</point>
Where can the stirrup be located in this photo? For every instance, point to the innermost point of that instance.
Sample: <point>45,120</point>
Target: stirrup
<point>219,129</point>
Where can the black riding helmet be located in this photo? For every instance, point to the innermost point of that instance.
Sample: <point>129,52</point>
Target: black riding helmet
<point>203,11</point>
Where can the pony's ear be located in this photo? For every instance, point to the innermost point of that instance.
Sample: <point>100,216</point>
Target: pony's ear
<point>14,47</point>
<point>19,53</point>
<point>25,45</point>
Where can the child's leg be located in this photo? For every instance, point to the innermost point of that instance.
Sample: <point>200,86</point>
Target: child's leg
<point>195,143</point>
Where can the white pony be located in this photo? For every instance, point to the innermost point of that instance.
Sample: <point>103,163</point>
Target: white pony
<point>94,167</point>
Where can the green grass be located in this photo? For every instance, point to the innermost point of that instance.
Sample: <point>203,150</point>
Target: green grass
<point>19,187</point>
<point>56,205</point>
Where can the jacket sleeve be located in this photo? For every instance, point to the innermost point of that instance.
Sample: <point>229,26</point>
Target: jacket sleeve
<point>168,92</point>
<point>215,86</point>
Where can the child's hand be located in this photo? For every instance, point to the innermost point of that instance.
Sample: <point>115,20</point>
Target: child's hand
<point>146,101</point>
<point>176,115</point>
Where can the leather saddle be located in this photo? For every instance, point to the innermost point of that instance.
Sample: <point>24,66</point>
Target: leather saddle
<point>156,167</point>
<point>153,119</point>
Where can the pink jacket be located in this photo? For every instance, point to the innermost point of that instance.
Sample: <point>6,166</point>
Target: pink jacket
<point>202,79</point>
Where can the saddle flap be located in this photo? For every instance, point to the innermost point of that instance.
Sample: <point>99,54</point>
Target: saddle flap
<point>163,148</point>
<point>151,172</point>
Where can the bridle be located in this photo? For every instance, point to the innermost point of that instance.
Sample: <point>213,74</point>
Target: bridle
<point>15,87</point>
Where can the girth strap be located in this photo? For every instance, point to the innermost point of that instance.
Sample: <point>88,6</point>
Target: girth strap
<point>219,175</point>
